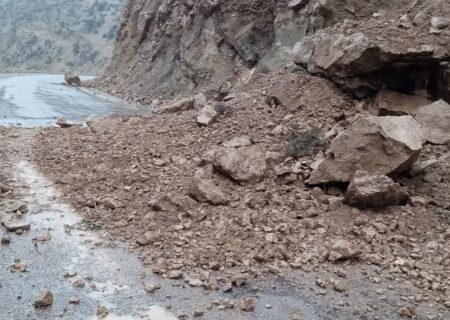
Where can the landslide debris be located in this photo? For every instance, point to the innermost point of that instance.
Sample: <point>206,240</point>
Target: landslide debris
<point>257,215</point>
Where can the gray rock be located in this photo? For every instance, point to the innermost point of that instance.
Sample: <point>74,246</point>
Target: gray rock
<point>374,191</point>
<point>237,142</point>
<point>435,118</point>
<point>297,4</point>
<point>343,250</point>
<point>12,226</point>
<point>207,192</point>
<point>246,164</point>
<point>207,115</point>
<point>177,106</point>
<point>439,23</point>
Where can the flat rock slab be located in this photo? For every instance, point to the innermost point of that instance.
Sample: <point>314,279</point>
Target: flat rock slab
<point>12,226</point>
<point>435,118</point>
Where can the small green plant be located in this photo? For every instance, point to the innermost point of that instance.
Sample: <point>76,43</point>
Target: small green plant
<point>304,142</point>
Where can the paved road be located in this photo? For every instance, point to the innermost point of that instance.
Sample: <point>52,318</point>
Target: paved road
<point>36,100</point>
<point>113,276</point>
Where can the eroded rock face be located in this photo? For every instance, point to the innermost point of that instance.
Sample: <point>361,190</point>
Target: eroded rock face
<point>362,65</point>
<point>177,47</point>
<point>374,191</point>
<point>247,164</point>
<point>435,118</point>
<point>378,145</point>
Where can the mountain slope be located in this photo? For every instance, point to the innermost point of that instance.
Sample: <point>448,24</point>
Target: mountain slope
<point>171,48</point>
<point>56,35</point>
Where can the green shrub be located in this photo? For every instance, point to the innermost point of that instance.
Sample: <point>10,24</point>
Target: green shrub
<point>304,142</point>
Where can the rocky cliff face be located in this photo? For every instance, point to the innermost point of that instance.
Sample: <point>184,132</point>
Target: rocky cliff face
<point>176,47</point>
<point>56,35</point>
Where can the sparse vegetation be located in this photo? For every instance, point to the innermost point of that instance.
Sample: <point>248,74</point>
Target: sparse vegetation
<point>304,142</point>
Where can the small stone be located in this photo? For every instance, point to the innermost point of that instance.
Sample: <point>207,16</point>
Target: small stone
<point>227,287</point>
<point>207,115</point>
<point>18,267</point>
<point>102,312</point>
<point>340,286</point>
<point>195,282</point>
<point>268,306</point>
<point>271,238</point>
<point>43,236</point>
<point>239,280</point>
<point>205,191</point>
<point>341,273</point>
<point>79,282</point>
<point>343,250</point>
<point>439,23</point>
<point>417,201</point>
<point>247,304</point>
<point>110,204</point>
<point>70,274</point>
<point>405,312</point>
<point>151,287</point>
<point>13,226</point>
<point>175,274</point>
<point>237,142</point>
<point>297,4</point>
<point>73,300</point>
<point>6,239</point>
<point>45,299</point>
<point>199,312</point>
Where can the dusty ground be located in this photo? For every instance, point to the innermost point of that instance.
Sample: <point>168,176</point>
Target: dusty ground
<point>275,227</point>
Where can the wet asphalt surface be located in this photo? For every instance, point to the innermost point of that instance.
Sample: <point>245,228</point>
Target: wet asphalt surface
<point>40,99</point>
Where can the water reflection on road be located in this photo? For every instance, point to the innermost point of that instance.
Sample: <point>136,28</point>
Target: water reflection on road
<point>37,100</point>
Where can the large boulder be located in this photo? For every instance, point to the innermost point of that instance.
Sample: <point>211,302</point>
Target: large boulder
<point>362,63</point>
<point>378,145</point>
<point>374,191</point>
<point>435,119</point>
<point>247,164</point>
<point>72,79</point>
